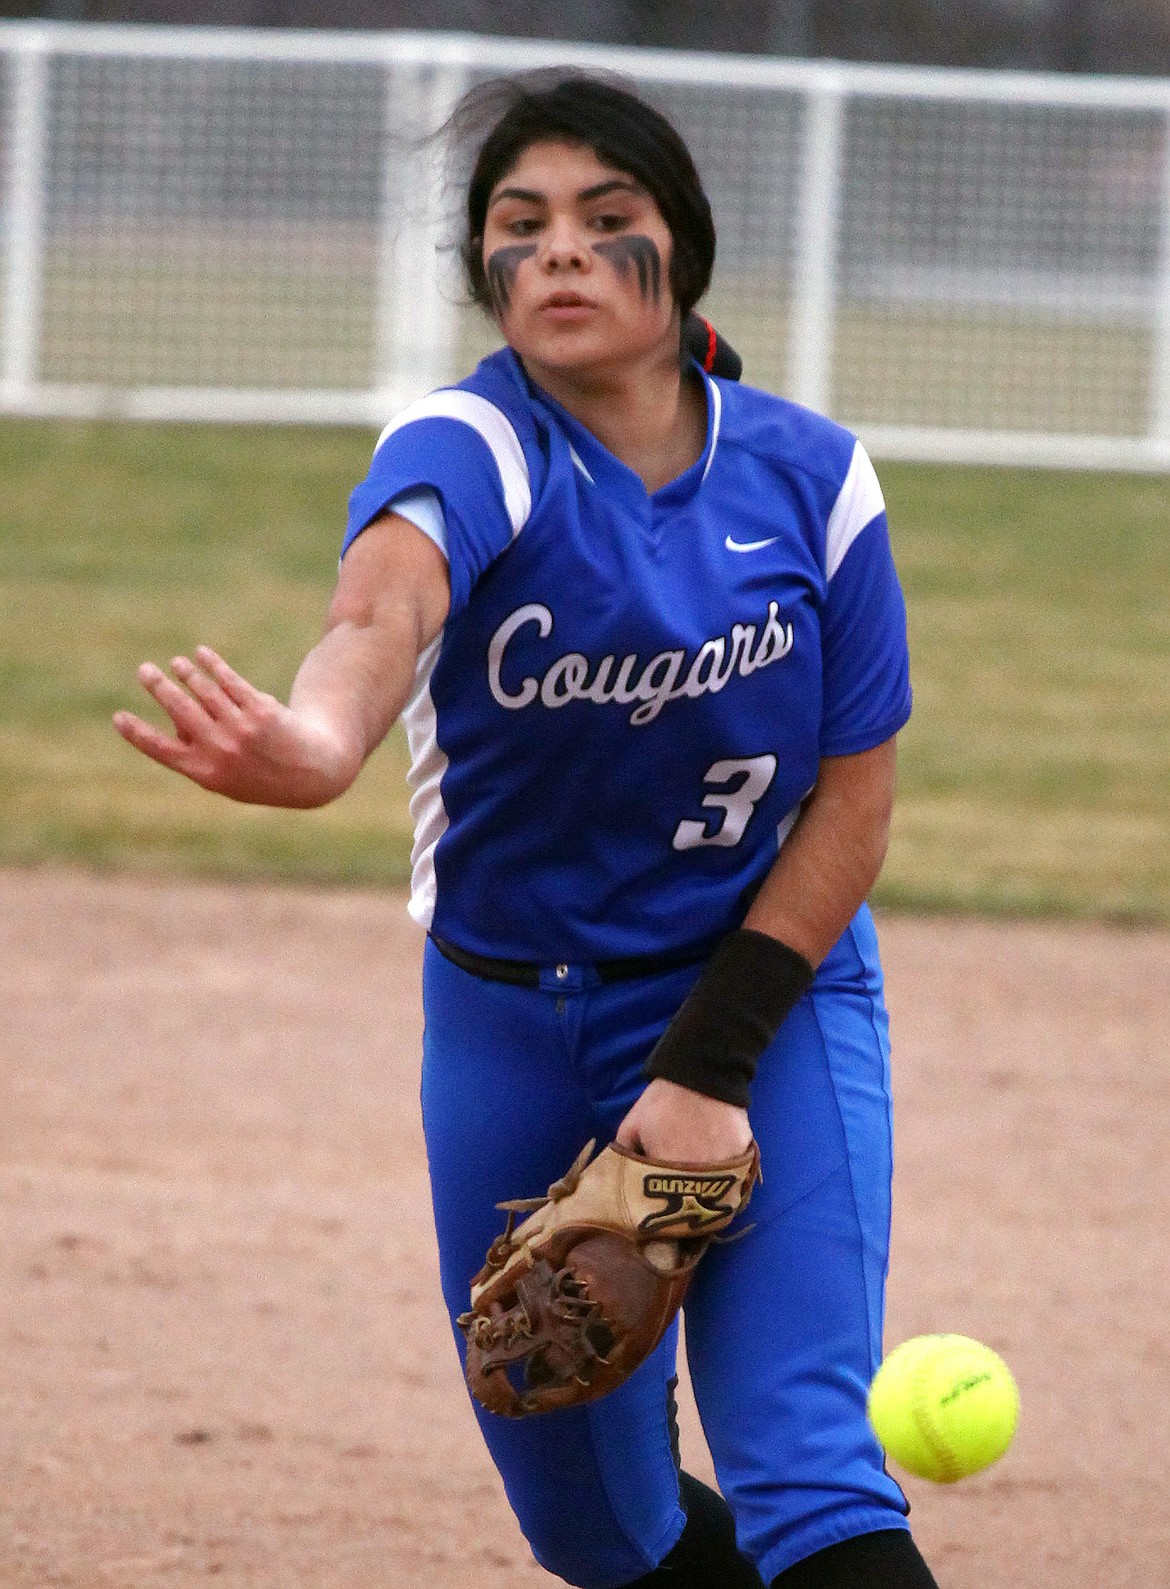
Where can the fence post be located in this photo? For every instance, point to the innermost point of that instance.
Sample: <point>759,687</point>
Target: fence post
<point>416,313</point>
<point>817,225</point>
<point>24,206</point>
<point>1160,350</point>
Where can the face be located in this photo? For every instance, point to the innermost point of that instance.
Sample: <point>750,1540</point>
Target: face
<point>577,261</point>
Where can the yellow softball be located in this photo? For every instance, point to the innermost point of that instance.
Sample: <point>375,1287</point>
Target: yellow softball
<point>944,1406</point>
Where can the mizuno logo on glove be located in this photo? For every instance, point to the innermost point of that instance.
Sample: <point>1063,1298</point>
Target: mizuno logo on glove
<point>694,1200</point>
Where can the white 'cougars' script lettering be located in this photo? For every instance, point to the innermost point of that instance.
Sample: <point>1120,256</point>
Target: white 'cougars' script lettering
<point>669,676</point>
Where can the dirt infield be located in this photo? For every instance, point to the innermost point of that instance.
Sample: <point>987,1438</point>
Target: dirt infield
<point>224,1353</point>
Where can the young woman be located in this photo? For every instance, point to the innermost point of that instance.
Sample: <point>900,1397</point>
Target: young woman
<point>644,631</point>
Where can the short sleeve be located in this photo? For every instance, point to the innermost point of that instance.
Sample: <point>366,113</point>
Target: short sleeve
<point>467,451</point>
<point>866,665</point>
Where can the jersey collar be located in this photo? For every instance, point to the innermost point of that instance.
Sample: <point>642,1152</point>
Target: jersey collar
<point>596,464</point>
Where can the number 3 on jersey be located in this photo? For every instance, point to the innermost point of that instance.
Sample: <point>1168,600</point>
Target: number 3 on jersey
<point>737,804</point>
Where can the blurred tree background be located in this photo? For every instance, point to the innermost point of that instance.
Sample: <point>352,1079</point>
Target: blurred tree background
<point>1062,35</point>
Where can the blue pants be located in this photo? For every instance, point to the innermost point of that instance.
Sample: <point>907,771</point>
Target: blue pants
<point>783,1327</point>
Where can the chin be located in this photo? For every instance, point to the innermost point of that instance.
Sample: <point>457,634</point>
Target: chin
<point>581,351</point>
<point>565,349</point>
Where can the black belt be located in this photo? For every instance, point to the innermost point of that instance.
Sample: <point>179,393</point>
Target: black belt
<point>526,974</point>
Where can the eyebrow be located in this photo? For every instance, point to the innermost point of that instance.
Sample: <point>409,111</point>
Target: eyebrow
<point>598,191</point>
<point>614,185</point>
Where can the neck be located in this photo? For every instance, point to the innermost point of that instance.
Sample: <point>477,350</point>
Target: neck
<point>646,412</point>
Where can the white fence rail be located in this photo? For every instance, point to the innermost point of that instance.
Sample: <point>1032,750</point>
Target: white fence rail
<point>228,224</point>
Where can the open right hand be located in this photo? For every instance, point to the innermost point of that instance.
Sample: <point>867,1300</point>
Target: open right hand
<point>235,740</point>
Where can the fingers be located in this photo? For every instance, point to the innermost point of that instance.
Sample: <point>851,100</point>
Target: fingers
<point>218,689</point>
<point>673,1123</point>
<point>234,685</point>
<point>146,738</point>
<point>629,1133</point>
<point>215,700</point>
<point>185,711</point>
<point>629,1137</point>
<point>231,738</point>
<point>196,711</point>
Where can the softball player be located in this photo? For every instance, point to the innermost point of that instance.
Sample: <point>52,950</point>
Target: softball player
<point>645,633</point>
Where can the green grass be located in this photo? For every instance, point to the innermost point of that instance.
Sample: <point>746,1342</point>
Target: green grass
<point>1036,769</point>
<point>1035,772</point>
<point>122,542</point>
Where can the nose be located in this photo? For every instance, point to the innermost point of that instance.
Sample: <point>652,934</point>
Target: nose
<point>564,248</point>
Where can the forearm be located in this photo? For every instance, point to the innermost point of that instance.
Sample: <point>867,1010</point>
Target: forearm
<point>348,691</point>
<point>832,857</point>
<point>391,601</point>
<point>759,973</point>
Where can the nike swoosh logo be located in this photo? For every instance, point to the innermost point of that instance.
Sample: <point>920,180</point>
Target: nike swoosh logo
<point>748,546</point>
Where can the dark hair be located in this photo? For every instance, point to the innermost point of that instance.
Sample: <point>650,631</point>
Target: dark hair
<point>623,131</point>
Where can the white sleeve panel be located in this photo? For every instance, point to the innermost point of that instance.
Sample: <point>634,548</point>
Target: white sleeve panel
<point>858,503</point>
<point>428,764</point>
<point>495,428</point>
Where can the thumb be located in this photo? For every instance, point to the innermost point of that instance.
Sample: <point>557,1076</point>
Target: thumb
<point>629,1135</point>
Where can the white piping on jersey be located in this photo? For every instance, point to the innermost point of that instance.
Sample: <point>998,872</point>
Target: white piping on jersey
<point>573,677</point>
<point>717,407</point>
<point>427,766</point>
<point>858,503</point>
<point>787,823</point>
<point>716,416</point>
<point>495,428</point>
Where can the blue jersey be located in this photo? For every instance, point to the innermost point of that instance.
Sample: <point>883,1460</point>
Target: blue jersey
<point>630,698</point>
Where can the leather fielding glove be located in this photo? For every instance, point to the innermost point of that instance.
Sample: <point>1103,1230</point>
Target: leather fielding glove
<point>571,1301</point>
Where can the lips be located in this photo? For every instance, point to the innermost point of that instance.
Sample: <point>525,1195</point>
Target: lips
<point>567,300</point>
